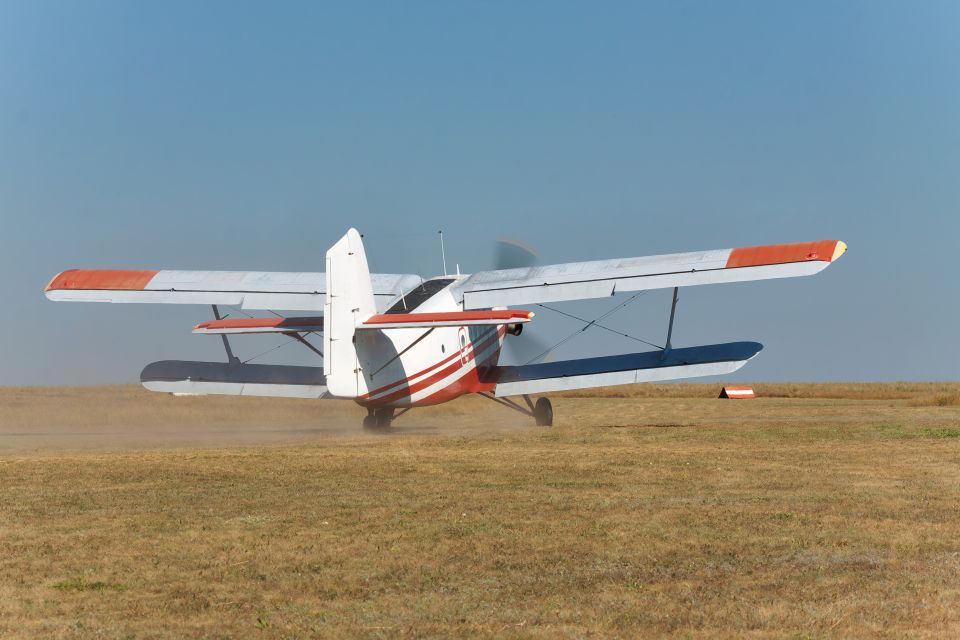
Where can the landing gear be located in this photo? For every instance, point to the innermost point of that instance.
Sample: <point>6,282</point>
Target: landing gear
<point>378,419</point>
<point>543,412</point>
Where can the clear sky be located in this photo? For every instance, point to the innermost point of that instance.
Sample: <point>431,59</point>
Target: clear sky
<point>229,135</point>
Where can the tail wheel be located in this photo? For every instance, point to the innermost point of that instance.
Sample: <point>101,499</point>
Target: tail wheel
<point>543,412</point>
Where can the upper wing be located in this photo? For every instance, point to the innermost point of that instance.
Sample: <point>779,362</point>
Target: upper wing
<point>302,291</point>
<point>602,278</point>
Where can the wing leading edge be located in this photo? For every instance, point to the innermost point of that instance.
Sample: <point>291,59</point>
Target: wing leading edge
<point>602,278</point>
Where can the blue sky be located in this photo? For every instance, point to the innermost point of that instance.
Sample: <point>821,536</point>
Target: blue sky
<point>251,135</point>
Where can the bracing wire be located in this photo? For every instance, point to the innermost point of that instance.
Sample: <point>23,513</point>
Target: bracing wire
<point>592,323</point>
<point>597,324</point>
<point>271,349</point>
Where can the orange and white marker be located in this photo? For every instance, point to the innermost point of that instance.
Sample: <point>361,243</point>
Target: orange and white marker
<point>737,393</point>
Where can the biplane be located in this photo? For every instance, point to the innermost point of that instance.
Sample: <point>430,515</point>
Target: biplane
<point>392,342</point>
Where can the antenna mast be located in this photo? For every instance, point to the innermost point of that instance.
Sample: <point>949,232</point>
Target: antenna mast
<point>443,254</point>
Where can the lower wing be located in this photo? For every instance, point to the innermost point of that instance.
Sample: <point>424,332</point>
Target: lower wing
<point>183,377</point>
<point>631,368</point>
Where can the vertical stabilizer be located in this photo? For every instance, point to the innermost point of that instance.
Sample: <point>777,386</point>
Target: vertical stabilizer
<point>349,302</point>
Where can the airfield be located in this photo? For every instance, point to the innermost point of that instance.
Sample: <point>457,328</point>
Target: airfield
<point>656,510</point>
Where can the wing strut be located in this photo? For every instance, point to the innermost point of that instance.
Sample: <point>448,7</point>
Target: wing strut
<point>673,312</point>
<point>507,402</point>
<point>299,338</point>
<point>232,359</point>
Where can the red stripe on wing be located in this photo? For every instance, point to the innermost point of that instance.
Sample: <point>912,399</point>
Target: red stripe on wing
<point>822,250</point>
<point>508,315</point>
<point>109,279</point>
<point>242,323</point>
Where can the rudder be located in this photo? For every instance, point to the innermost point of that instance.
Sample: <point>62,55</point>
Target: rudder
<point>349,302</point>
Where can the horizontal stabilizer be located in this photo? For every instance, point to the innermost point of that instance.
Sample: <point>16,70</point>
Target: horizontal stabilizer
<point>261,325</point>
<point>446,319</point>
<point>631,368</point>
<point>234,379</point>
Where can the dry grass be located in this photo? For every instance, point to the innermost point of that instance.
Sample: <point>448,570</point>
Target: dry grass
<point>830,511</point>
<point>836,390</point>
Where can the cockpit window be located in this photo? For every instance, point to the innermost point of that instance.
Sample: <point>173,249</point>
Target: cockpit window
<point>419,294</point>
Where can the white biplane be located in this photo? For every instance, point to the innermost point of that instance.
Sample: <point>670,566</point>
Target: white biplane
<point>397,341</point>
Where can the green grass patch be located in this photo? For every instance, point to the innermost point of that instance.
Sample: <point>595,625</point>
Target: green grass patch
<point>942,432</point>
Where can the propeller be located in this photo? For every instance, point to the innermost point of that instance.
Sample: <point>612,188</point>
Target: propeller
<point>513,254</point>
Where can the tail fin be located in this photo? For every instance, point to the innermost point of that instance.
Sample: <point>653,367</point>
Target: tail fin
<point>349,302</point>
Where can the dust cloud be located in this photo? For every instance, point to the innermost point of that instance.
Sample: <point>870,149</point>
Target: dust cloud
<point>38,420</point>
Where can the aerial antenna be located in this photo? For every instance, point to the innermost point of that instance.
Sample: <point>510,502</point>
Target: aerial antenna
<point>443,254</point>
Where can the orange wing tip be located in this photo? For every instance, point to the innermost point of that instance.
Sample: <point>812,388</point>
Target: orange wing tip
<point>109,279</point>
<point>55,281</point>
<point>823,250</point>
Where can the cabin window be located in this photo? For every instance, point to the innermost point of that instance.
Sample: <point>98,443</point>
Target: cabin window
<point>419,294</point>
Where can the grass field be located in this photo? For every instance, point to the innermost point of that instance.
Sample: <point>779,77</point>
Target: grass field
<point>814,511</point>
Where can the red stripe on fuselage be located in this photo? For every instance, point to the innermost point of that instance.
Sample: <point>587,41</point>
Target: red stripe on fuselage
<point>408,378</point>
<point>453,356</point>
<point>469,383</point>
<point>409,390</point>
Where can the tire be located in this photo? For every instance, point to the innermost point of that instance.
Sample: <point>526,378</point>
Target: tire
<point>378,419</point>
<point>384,417</point>
<point>543,412</point>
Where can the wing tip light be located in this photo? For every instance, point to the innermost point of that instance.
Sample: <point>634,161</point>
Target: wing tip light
<point>839,250</point>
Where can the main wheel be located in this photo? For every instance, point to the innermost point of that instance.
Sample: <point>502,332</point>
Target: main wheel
<point>378,419</point>
<point>384,417</point>
<point>543,412</point>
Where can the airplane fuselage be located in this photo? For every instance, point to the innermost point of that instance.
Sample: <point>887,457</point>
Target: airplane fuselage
<point>418,367</point>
